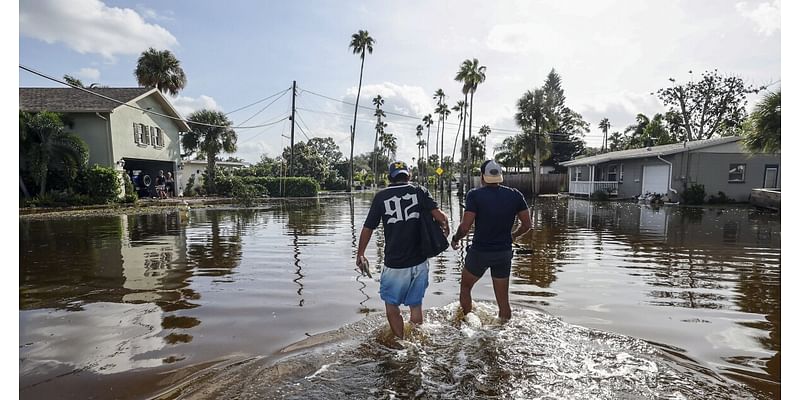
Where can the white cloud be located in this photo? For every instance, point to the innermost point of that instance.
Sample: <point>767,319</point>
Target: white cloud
<point>766,15</point>
<point>89,26</point>
<point>92,74</point>
<point>152,14</point>
<point>512,38</point>
<point>187,105</point>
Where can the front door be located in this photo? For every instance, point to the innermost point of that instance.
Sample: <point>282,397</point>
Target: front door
<point>770,176</point>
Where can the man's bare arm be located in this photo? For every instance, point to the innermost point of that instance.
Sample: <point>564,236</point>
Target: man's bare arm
<point>441,218</point>
<point>466,223</point>
<point>363,241</point>
<point>524,225</point>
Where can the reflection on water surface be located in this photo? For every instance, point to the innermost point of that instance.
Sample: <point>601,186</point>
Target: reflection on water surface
<point>125,301</point>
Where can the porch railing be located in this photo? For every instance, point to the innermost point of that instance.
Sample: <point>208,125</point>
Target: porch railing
<point>588,187</point>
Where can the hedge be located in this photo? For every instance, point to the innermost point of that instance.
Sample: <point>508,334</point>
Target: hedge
<point>291,186</point>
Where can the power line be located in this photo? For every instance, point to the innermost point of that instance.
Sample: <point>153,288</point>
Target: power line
<point>259,101</point>
<point>515,131</point>
<point>297,114</point>
<point>265,107</point>
<point>135,107</point>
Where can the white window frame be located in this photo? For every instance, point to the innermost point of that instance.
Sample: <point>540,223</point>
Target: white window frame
<point>137,135</point>
<point>621,172</point>
<point>609,173</point>
<point>735,166</point>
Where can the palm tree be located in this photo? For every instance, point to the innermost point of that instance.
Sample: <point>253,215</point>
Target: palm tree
<point>428,121</point>
<point>471,75</point>
<point>361,43</point>
<point>605,126</point>
<point>460,108</point>
<point>765,133</point>
<point>209,140</point>
<point>46,145</point>
<point>161,70</point>
<point>379,127</point>
<point>439,96</point>
<point>483,133</point>
<point>419,139</point>
<point>531,116</point>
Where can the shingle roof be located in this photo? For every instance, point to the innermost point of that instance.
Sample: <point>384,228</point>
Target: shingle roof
<point>74,100</point>
<point>650,151</point>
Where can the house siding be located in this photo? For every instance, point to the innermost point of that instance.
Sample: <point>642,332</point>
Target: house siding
<point>711,170</point>
<point>93,130</point>
<point>124,145</point>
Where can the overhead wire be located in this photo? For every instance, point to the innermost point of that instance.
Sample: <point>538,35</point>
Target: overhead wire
<point>265,107</point>
<point>259,101</point>
<point>135,107</point>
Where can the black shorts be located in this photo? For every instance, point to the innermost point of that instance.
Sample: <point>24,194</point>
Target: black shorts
<point>477,262</point>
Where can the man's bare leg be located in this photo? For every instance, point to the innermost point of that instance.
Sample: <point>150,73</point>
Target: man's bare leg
<point>416,314</point>
<point>395,319</point>
<point>501,295</point>
<point>465,296</point>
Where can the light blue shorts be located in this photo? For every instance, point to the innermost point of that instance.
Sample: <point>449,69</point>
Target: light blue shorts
<point>404,285</point>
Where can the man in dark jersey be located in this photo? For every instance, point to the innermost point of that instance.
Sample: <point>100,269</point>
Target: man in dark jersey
<point>493,208</point>
<point>405,276</point>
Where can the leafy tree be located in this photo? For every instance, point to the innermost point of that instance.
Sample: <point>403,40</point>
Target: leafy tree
<point>714,105</point>
<point>211,135</point>
<point>308,162</point>
<point>531,118</point>
<point>361,43</point>
<point>763,133</point>
<point>648,132</point>
<point>161,70</point>
<point>44,145</point>
<point>327,148</point>
<point>565,127</point>
<point>635,132</point>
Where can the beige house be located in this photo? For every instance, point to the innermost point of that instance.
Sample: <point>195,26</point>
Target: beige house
<point>139,142</point>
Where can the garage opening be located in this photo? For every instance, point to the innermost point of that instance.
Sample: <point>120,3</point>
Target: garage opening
<point>655,179</point>
<point>143,174</point>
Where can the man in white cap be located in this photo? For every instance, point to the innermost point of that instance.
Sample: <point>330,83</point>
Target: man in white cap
<point>493,208</point>
<point>405,276</point>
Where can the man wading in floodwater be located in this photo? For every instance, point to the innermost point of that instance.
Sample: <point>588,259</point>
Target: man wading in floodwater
<point>493,208</point>
<point>405,276</point>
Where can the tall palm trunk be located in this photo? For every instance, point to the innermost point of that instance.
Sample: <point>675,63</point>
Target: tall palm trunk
<point>211,172</point>
<point>469,138</point>
<point>441,156</point>
<point>353,128</point>
<point>24,188</point>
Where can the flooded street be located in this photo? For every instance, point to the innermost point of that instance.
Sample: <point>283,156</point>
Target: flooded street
<point>610,300</point>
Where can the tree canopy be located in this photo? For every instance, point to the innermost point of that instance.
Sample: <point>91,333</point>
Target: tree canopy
<point>713,105</point>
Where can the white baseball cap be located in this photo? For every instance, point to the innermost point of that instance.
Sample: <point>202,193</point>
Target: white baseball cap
<point>492,171</point>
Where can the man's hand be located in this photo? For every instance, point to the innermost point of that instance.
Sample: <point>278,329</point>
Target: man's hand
<point>359,259</point>
<point>455,244</point>
<point>445,228</point>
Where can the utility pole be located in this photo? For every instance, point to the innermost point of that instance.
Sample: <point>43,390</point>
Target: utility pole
<point>291,140</point>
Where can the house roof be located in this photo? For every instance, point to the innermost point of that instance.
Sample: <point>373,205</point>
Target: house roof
<point>70,100</point>
<point>654,151</point>
<point>74,100</point>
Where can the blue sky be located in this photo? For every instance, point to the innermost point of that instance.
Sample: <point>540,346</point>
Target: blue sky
<point>610,54</point>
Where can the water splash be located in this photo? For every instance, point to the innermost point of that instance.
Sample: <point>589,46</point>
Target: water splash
<point>533,356</point>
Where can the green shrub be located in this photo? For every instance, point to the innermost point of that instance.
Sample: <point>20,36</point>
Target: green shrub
<point>130,193</point>
<point>188,191</point>
<point>599,195</point>
<point>102,184</point>
<point>59,199</point>
<point>285,187</point>
<point>694,195</point>
<point>720,198</point>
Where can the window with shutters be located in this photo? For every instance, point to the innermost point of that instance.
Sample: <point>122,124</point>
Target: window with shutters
<point>137,134</point>
<point>159,137</point>
<point>146,133</point>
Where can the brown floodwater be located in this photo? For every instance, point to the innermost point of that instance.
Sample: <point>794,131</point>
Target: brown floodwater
<point>610,300</point>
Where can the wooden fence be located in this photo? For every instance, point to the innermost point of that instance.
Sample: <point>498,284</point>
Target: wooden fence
<point>549,183</point>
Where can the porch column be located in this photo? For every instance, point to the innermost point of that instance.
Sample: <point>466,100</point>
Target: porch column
<point>591,179</point>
